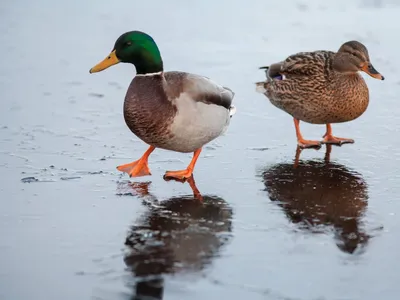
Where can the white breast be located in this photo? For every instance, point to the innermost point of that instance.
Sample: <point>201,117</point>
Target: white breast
<point>196,124</point>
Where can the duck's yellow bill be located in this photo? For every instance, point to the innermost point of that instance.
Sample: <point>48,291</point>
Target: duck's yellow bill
<point>109,61</point>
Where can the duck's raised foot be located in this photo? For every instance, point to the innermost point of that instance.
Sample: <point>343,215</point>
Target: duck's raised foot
<point>332,140</point>
<point>137,168</point>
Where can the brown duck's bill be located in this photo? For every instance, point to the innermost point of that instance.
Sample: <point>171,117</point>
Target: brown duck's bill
<point>371,71</point>
<point>109,61</point>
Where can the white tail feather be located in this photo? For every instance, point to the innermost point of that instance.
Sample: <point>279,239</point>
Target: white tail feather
<point>232,110</point>
<point>260,87</point>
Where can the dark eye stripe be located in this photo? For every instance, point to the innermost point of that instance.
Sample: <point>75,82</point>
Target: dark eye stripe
<point>358,55</point>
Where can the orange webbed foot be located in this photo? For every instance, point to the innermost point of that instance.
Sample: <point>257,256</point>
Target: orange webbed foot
<point>179,175</point>
<point>184,174</point>
<point>139,167</point>
<point>302,143</point>
<point>135,169</point>
<point>308,144</point>
<point>330,139</point>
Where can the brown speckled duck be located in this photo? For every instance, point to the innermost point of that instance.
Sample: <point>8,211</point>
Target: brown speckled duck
<point>170,110</point>
<point>321,87</point>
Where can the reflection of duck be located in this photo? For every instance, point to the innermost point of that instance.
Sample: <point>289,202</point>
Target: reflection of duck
<point>318,193</point>
<point>181,234</point>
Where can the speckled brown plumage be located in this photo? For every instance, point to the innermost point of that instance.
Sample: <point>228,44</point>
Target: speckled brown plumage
<point>314,92</point>
<point>321,87</point>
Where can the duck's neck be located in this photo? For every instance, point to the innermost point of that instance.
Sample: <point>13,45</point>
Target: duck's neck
<point>149,67</point>
<point>148,61</point>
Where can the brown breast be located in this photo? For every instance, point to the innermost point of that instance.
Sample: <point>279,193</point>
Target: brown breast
<point>147,110</point>
<point>350,98</point>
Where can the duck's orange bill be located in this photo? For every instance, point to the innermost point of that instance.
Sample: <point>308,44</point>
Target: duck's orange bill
<point>109,61</point>
<point>371,71</point>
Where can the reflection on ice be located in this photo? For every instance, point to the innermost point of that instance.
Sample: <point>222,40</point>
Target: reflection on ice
<point>319,195</point>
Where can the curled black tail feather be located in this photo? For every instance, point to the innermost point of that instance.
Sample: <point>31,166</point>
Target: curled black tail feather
<point>266,68</point>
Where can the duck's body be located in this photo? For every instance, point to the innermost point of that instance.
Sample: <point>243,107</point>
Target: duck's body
<point>313,93</point>
<point>177,111</point>
<point>321,87</point>
<point>170,110</point>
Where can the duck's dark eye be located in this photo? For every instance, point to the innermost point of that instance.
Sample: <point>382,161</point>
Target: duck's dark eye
<point>128,44</point>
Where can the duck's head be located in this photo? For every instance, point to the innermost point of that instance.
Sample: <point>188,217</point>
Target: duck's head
<point>353,57</point>
<point>133,47</point>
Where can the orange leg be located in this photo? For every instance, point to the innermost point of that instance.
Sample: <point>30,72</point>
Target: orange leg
<point>330,139</point>
<point>302,142</point>
<point>139,167</point>
<point>184,174</point>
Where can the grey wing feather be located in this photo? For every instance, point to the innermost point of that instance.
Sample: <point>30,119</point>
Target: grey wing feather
<point>205,90</point>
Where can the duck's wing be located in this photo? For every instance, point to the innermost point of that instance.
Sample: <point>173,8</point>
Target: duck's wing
<point>198,88</point>
<point>295,71</point>
<point>306,63</point>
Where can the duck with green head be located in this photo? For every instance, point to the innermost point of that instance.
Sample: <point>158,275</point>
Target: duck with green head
<point>175,111</point>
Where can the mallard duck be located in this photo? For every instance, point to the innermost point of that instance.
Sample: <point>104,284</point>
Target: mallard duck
<point>170,110</point>
<point>321,87</point>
